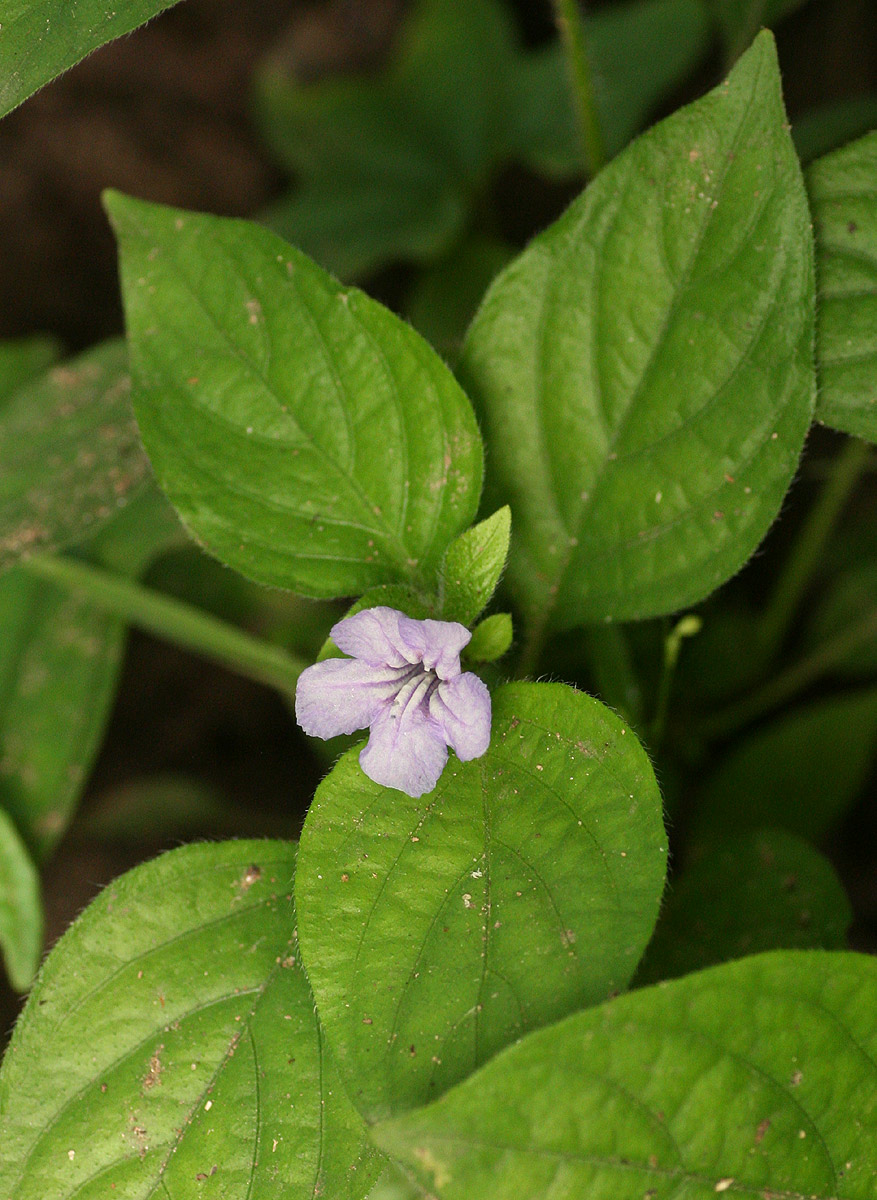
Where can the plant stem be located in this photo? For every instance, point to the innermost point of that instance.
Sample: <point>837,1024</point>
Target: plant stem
<point>809,545</point>
<point>686,627</point>
<point>786,685</point>
<point>174,620</point>
<point>571,25</point>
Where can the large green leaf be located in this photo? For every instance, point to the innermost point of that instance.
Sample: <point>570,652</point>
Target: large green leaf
<point>757,1078</point>
<point>170,1046</point>
<point>435,931</point>
<point>307,436</point>
<point>644,369</point>
<point>638,52</point>
<point>843,192</point>
<point>21,911</point>
<point>801,772</point>
<point>750,892</point>
<point>71,454</point>
<point>41,38</point>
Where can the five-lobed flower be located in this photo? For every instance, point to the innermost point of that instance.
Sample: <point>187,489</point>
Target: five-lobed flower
<point>404,682</point>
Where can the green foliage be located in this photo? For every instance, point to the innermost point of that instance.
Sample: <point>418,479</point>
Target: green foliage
<point>473,565</point>
<point>490,639</point>
<point>306,436</point>
<point>740,20</point>
<point>42,38</point>
<point>392,166</point>
<point>749,893</point>
<point>21,360</point>
<point>671,308</point>
<point>756,1077</point>
<point>843,192</point>
<point>800,773</point>
<point>526,885</point>
<point>170,1044</point>
<point>71,456</point>
<point>21,910</point>
<point>831,125</point>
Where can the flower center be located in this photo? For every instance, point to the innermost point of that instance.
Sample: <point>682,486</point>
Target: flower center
<point>415,689</point>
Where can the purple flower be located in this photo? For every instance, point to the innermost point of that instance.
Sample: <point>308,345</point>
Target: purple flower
<point>404,682</point>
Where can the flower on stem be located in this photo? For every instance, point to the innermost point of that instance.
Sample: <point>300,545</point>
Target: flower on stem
<point>405,683</point>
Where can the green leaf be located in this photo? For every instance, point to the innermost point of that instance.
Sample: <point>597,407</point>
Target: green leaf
<point>740,20</point>
<point>751,892</point>
<point>757,1078</point>
<point>21,910</point>
<point>435,931</point>
<point>490,639</point>
<point>59,663</point>
<point>21,360</point>
<point>389,164</point>
<point>309,438</point>
<point>42,38</point>
<point>473,565</point>
<point>843,192</point>
<point>800,773</point>
<point>638,51</point>
<point>72,456</point>
<point>827,127</point>
<point>170,1046</point>
<point>644,369</point>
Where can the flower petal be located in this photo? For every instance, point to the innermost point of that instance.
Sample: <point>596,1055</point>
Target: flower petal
<point>406,750</point>
<point>461,709</point>
<point>437,644</point>
<point>341,695</point>
<point>373,636</point>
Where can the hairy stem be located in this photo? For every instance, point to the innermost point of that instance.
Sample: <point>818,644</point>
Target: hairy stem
<point>173,620</point>
<point>574,37</point>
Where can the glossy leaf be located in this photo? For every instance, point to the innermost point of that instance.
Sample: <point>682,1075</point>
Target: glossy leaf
<point>71,454</point>
<point>644,369</point>
<point>639,51</point>
<point>436,931</point>
<point>750,892</point>
<point>473,565</point>
<point>801,772</point>
<point>170,1045</point>
<point>21,910</point>
<point>21,360</point>
<point>755,1078</point>
<point>843,191</point>
<point>306,436</point>
<point>42,38</point>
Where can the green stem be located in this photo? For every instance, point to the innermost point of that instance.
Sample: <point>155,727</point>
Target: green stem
<point>531,650</point>
<point>686,627</point>
<point>789,683</point>
<point>173,620</point>
<point>809,545</point>
<point>572,32</point>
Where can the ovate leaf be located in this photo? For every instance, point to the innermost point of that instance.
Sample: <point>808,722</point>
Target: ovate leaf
<point>171,1046</point>
<point>41,38</point>
<point>843,191</point>
<point>473,565</point>
<point>801,772</point>
<point>757,1078</point>
<point>306,436</point>
<point>437,930</point>
<point>644,369</point>
<point>750,892</point>
<point>71,454</point>
<point>21,910</point>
